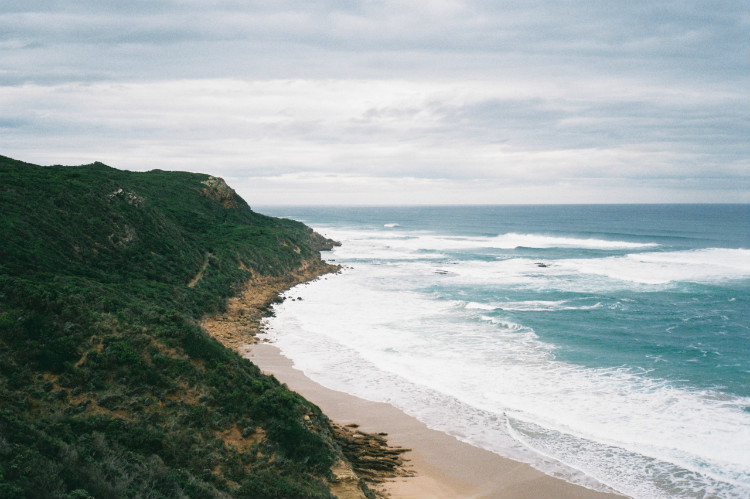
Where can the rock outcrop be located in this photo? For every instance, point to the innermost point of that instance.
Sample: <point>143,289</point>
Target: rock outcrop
<point>219,191</point>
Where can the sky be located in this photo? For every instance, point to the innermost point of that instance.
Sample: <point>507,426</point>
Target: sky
<point>390,102</point>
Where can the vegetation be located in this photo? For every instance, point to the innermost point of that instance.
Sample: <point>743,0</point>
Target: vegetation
<point>108,386</point>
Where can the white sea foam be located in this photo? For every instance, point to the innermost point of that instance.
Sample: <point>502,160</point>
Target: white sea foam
<point>703,265</point>
<point>463,368</point>
<point>532,306</point>
<point>513,240</point>
<point>478,379</point>
<point>370,248</point>
<point>480,306</point>
<point>596,274</point>
<point>425,241</point>
<point>646,267</point>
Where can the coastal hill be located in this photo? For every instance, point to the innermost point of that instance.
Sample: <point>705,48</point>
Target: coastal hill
<point>110,386</point>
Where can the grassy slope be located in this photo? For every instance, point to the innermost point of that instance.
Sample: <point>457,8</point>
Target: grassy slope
<point>108,387</point>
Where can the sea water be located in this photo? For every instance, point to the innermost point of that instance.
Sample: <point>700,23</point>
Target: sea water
<point>607,345</point>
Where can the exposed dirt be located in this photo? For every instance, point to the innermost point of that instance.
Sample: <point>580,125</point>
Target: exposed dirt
<point>242,440</point>
<point>199,275</point>
<point>239,325</point>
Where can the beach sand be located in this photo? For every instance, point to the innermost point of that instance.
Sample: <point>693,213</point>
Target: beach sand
<point>444,466</point>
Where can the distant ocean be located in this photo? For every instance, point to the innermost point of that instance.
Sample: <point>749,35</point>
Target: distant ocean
<point>608,345</point>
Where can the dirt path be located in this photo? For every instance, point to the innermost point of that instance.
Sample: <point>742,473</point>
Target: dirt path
<point>199,275</point>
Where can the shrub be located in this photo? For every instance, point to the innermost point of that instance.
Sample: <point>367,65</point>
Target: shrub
<point>98,260</point>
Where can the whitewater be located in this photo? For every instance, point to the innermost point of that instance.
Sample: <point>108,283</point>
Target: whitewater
<point>607,345</point>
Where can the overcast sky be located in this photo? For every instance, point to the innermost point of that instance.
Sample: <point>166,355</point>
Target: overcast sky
<point>390,102</point>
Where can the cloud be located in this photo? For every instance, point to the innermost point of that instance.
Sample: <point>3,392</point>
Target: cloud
<point>348,129</point>
<point>452,97</point>
<point>295,39</point>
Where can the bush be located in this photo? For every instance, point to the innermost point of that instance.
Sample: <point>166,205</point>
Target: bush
<point>97,260</point>
<point>267,484</point>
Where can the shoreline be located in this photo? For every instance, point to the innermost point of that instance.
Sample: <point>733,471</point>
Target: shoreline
<point>443,466</point>
<point>438,465</point>
<point>239,325</point>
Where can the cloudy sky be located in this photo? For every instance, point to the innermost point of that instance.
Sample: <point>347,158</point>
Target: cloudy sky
<point>390,102</point>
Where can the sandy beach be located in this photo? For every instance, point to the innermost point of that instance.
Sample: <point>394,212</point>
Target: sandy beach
<point>441,465</point>
<point>444,467</point>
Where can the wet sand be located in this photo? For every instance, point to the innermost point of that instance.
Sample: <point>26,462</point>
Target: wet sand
<point>445,467</point>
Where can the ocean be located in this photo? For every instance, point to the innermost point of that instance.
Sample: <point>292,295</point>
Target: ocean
<point>608,345</point>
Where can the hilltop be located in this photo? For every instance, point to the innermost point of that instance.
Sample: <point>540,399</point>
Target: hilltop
<point>110,386</point>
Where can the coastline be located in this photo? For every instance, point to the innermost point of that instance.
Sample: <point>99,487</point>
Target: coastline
<point>238,326</point>
<point>439,465</point>
<point>443,466</point>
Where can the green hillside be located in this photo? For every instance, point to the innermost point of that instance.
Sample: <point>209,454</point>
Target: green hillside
<point>108,386</point>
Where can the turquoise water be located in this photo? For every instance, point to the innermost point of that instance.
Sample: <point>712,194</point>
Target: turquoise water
<point>607,344</point>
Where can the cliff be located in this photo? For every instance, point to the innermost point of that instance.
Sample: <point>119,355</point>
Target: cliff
<point>110,384</point>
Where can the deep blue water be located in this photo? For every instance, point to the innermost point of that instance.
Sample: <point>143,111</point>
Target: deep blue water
<point>579,331</point>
